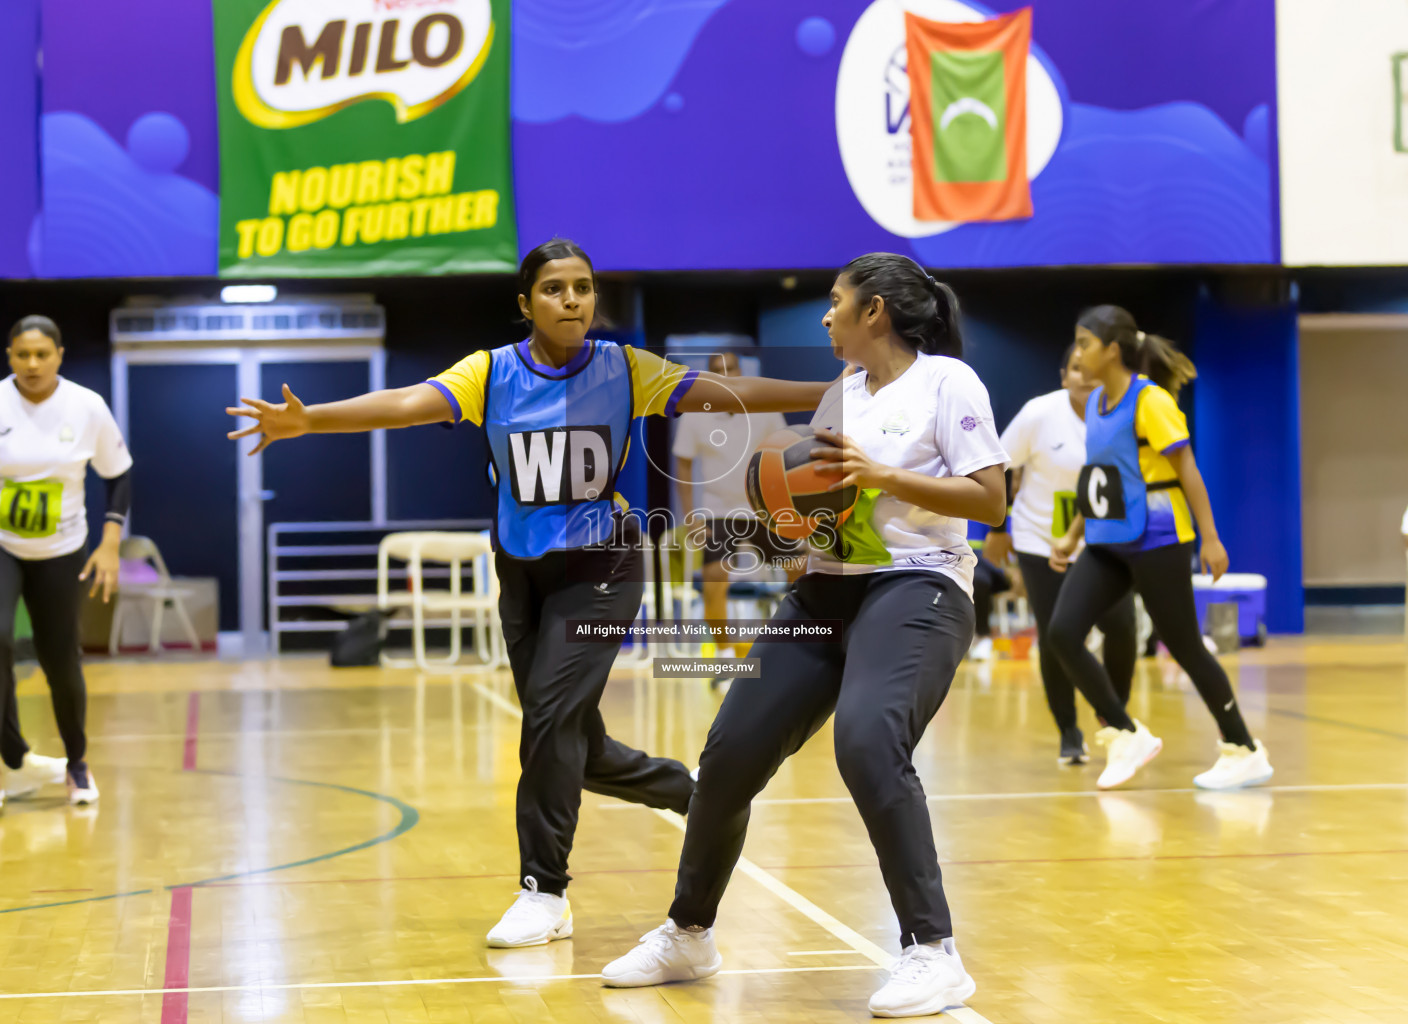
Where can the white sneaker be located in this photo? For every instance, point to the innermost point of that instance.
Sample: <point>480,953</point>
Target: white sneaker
<point>669,953</point>
<point>981,649</point>
<point>36,771</point>
<point>534,919</point>
<point>1129,751</point>
<point>82,787</point>
<point>1236,767</point>
<point>924,980</point>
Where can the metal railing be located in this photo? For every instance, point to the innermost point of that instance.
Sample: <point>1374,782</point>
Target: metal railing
<point>352,548</point>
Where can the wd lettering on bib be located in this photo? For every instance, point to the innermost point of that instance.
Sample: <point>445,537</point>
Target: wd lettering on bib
<point>562,466</point>
<point>558,438</point>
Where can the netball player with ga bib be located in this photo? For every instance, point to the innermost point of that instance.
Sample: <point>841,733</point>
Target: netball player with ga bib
<point>51,431</point>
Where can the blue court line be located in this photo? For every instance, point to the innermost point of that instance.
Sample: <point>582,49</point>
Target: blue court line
<point>86,899</point>
<point>410,817</point>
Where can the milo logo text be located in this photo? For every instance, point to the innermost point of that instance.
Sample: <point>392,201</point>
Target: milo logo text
<point>297,64</point>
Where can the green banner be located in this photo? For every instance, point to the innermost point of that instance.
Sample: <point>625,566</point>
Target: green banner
<point>364,137</point>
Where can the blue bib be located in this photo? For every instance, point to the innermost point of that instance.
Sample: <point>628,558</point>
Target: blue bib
<point>557,441</point>
<point>1111,492</point>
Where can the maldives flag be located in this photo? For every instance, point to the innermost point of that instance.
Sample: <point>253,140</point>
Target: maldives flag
<point>968,116</point>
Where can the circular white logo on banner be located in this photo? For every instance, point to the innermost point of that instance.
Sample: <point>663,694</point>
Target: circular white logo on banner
<point>303,60</point>
<point>872,112</point>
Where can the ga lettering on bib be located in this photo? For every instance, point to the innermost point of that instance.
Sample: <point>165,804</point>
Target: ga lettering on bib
<point>32,508</point>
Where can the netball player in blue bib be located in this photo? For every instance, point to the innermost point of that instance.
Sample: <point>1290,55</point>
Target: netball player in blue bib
<point>915,433</point>
<point>558,409</point>
<point>1139,495</point>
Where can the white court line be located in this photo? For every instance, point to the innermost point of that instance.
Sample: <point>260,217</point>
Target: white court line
<point>502,703</point>
<point>788,895</point>
<point>529,979</point>
<point>822,952</point>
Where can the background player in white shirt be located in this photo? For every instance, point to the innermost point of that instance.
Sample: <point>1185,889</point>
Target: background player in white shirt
<point>915,435</point>
<point>711,452</point>
<point>51,429</point>
<point>1046,442</point>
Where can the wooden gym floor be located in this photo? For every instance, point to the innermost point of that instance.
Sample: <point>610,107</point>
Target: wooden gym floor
<point>278,841</point>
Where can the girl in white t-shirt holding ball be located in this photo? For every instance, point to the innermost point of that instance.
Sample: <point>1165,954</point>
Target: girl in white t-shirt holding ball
<point>913,431</point>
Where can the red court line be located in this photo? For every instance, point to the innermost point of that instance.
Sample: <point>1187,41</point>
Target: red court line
<point>59,890</point>
<point>192,729</point>
<point>174,1005</point>
<point>424,878</point>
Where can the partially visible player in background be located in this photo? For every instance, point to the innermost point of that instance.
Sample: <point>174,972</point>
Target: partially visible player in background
<point>913,430</point>
<point>1139,495</point>
<point>51,430</point>
<point>989,580</point>
<point>1046,442</point>
<point>711,452</point>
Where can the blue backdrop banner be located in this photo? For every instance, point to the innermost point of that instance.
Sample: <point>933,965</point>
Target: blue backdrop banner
<point>19,108</point>
<point>709,134</point>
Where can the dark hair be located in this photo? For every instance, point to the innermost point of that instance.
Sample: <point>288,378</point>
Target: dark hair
<point>1066,357</point>
<point>557,249</point>
<point>923,312</point>
<point>42,324</point>
<point>553,249</point>
<point>1155,357</point>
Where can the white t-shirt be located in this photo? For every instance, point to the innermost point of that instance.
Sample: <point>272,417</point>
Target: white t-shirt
<point>935,419</point>
<point>720,444</point>
<point>1046,440</point>
<point>45,449</point>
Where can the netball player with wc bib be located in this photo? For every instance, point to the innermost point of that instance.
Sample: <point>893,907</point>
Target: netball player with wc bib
<point>913,431</point>
<point>558,409</point>
<point>1139,496</point>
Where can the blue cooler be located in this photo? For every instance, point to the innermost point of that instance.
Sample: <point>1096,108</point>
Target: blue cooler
<point>1246,590</point>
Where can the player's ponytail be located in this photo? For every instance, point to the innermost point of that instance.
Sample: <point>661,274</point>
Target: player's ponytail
<point>1157,358</point>
<point>923,312</point>
<point>42,324</point>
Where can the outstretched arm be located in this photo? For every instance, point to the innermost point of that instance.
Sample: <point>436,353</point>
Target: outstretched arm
<point>711,392</point>
<point>399,407</point>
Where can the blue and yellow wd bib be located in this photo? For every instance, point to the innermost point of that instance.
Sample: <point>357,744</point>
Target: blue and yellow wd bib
<point>558,437</point>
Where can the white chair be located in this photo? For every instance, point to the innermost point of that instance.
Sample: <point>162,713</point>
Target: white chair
<point>159,593</point>
<point>453,549</point>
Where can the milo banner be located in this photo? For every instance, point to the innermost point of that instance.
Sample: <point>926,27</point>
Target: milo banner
<point>364,137</point>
